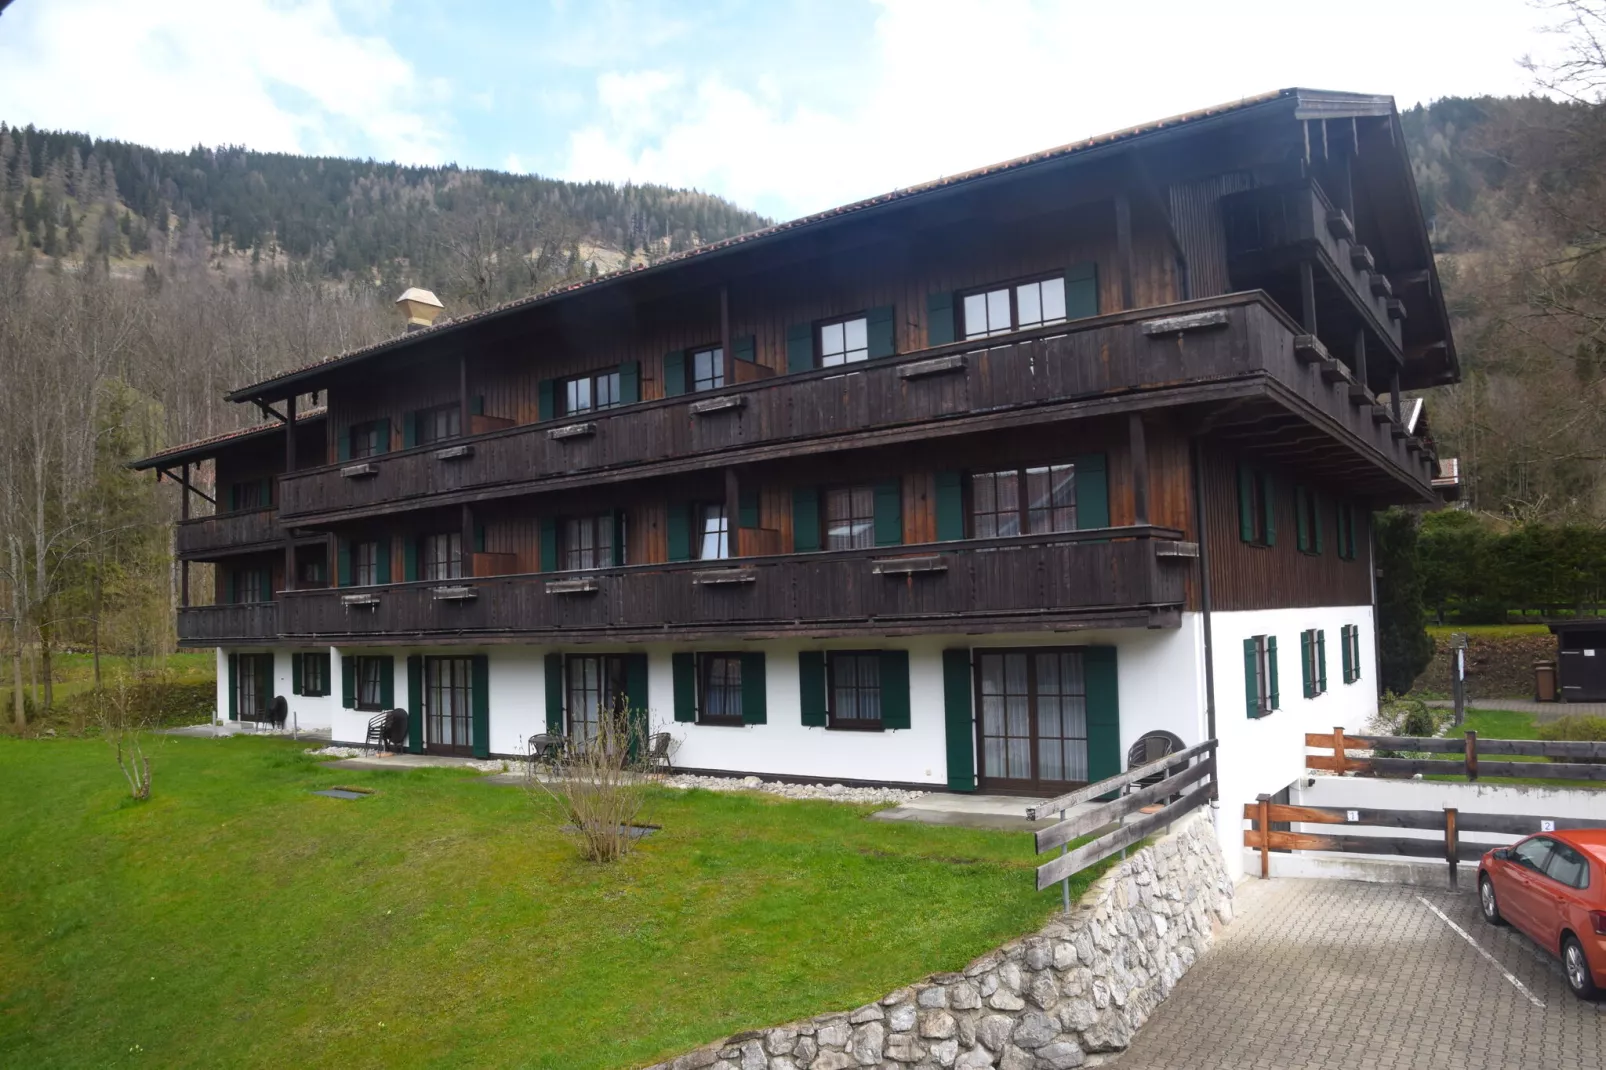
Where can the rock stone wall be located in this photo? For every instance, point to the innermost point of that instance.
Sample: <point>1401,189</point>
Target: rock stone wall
<point>1077,988</point>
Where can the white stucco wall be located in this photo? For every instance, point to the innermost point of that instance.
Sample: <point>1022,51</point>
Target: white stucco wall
<point>306,712</point>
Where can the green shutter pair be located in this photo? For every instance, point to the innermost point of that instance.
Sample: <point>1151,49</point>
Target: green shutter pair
<point>808,531</point>
<point>1081,301</point>
<point>880,339</point>
<point>1247,479</point>
<point>1251,686</point>
<point>895,708</point>
<point>755,690</point>
<point>1350,640</point>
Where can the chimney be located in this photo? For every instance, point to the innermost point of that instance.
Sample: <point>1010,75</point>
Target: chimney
<point>420,307</point>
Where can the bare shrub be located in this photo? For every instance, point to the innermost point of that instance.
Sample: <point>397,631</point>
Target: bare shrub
<point>599,785</point>
<point>124,712</point>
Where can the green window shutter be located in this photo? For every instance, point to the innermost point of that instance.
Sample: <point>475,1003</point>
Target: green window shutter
<point>1092,493</point>
<point>231,593</point>
<point>476,406</point>
<point>480,705</point>
<point>1276,701</point>
<point>1082,290</point>
<point>1251,689</point>
<point>1344,651</point>
<point>1301,528</point>
<point>1316,520</point>
<point>894,689</point>
<point>1349,541</point>
<point>323,663</point>
<point>343,445</point>
<point>630,382</point>
<point>889,513</point>
<point>1355,651</point>
<point>382,426</point>
<point>234,687</point>
<point>295,673</point>
<point>343,567</point>
<point>636,686</point>
<point>267,585</point>
<point>267,490</point>
<point>234,497</point>
<point>348,682</point>
<point>1246,503</point>
<point>1321,661</point>
<point>805,519</point>
<point>409,430</point>
<point>554,694</point>
<point>674,372</point>
<point>619,533</point>
<point>1269,493</point>
<point>549,544</point>
<point>479,537</point>
<point>415,703</point>
<point>1103,712</point>
<point>745,348</point>
<point>960,733</point>
<point>940,328</point>
<point>747,509</point>
<point>1305,675</point>
<point>410,559</point>
<point>811,687</point>
<point>382,560</point>
<point>679,524</point>
<point>685,675</point>
<point>799,348</point>
<point>950,506</point>
<point>387,681</point>
<point>754,691</point>
<point>546,400</point>
<point>879,327</point>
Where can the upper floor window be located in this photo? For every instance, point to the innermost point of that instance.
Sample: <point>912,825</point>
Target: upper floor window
<point>252,585</point>
<point>586,393</point>
<point>1308,520</point>
<point>252,494</point>
<point>708,368</point>
<point>366,438</point>
<point>439,424</point>
<point>1035,500</point>
<point>850,518</point>
<point>844,342</point>
<point>1002,309</point>
<point>443,556</point>
<point>588,542</point>
<point>1255,507</point>
<point>312,572</point>
<point>713,533</point>
<point>365,564</point>
<point>1346,530</point>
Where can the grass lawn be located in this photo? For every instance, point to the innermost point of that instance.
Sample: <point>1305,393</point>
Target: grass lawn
<point>75,673</point>
<point>238,920</point>
<point>1510,724</point>
<point>1487,631</point>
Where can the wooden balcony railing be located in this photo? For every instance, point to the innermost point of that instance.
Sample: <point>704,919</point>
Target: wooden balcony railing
<point>227,532</point>
<point>1130,576</point>
<point>245,622</point>
<point>1055,372</point>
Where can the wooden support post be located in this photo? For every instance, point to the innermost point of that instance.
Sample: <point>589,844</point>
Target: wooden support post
<point>1307,297</point>
<point>184,583</point>
<point>1123,242</point>
<point>1138,446</point>
<point>464,410</point>
<point>1472,756</point>
<point>726,356</point>
<point>1360,356</point>
<point>467,556</point>
<point>733,511</point>
<point>1452,842</point>
<point>289,466</point>
<point>1264,820</point>
<point>183,492</point>
<point>1394,394</point>
<point>1339,749</point>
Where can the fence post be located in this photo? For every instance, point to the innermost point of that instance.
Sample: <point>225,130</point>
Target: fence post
<point>1472,755</point>
<point>1265,835</point>
<point>1338,750</point>
<point>1452,842</point>
<point>1065,885</point>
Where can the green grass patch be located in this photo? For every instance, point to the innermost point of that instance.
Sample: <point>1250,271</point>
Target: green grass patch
<point>238,920</point>
<point>1510,724</point>
<point>75,674</point>
<point>1488,631</point>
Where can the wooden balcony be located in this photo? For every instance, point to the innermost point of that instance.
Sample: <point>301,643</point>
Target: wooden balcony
<point>250,622</point>
<point>1202,351</point>
<point>1112,577</point>
<point>227,533</point>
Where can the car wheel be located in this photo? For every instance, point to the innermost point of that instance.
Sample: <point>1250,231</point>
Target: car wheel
<point>1488,903</point>
<point>1576,967</point>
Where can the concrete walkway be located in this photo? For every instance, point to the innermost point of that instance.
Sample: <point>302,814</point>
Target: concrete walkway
<point>1006,812</point>
<point>245,728</point>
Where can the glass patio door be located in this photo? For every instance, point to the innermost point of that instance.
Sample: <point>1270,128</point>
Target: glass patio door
<point>448,692</point>
<point>1033,720</point>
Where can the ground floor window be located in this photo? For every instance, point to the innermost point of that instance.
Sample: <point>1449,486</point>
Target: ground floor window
<point>1350,636</point>
<point>371,682</point>
<point>854,688</point>
<point>311,672</point>
<point>1260,675</point>
<point>1313,660</point>
<point>253,686</point>
<point>595,686</point>
<point>448,694</point>
<point>719,688</point>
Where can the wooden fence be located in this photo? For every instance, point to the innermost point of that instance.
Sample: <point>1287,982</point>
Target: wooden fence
<point>1463,755</point>
<point>1185,781</point>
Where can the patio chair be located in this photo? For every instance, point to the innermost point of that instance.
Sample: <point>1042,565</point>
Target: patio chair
<point>395,730</point>
<point>1151,747</point>
<point>658,753</point>
<point>546,747</point>
<point>279,712</point>
<point>376,731</point>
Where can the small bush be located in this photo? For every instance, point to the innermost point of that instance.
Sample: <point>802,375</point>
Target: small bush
<point>1575,726</point>
<point>1402,715</point>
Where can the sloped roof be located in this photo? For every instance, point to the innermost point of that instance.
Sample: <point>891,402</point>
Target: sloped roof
<point>202,448</point>
<point>1307,103</point>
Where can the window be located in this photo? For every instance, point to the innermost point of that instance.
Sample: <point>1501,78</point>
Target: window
<point>439,424</point>
<point>708,368</point>
<point>1260,674</point>
<point>1346,530</point>
<point>719,688</point>
<point>365,439</point>
<point>588,542</point>
<point>1567,866</point>
<point>584,393</point>
<point>844,342</point>
<point>855,689</point>
<point>443,556</point>
<point>1308,517</point>
<point>596,684</point>
<point>850,518</point>
<point>365,564</point>
<point>999,509</point>
<point>447,696</point>
<point>1255,507</point>
<point>1350,638</point>
<point>1533,854</point>
<point>713,533</point>
<point>314,674</point>
<point>313,572</point>
<point>1313,661</point>
<point>1015,308</point>
<point>253,494</point>
<point>371,682</point>
<point>252,585</point>
<point>253,686</point>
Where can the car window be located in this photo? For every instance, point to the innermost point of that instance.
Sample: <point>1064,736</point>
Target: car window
<point>1567,866</point>
<point>1531,854</point>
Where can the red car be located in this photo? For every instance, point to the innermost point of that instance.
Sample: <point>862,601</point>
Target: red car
<point>1553,887</point>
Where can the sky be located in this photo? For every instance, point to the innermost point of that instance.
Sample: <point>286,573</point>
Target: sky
<point>783,106</point>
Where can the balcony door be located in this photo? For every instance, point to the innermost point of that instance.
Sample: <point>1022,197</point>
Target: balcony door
<point>448,705</point>
<point>1033,721</point>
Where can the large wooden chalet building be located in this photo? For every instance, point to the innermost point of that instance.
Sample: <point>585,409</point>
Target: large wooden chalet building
<point>964,487</point>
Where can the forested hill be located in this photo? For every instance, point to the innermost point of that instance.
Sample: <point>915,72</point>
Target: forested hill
<point>344,217</point>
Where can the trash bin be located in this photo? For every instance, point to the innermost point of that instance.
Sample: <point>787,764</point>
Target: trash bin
<point>1545,681</point>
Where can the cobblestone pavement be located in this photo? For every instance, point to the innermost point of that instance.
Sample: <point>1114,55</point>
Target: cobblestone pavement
<point>1320,973</point>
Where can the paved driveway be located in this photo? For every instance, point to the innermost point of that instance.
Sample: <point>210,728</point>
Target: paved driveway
<point>1319,973</point>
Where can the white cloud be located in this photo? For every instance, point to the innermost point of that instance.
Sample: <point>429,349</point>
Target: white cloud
<point>286,76</point>
<point>954,84</point>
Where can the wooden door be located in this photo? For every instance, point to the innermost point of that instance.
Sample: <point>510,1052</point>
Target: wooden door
<point>1032,720</point>
<point>448,705</point>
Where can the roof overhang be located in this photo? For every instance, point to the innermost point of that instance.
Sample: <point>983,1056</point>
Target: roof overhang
<point>206,448</point>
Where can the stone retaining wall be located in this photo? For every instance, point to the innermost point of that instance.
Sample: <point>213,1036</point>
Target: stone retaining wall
<point>1078,987</point>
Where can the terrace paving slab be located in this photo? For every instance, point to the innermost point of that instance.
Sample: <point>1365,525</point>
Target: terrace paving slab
<point>965,810</point>
<point>244,728</point>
